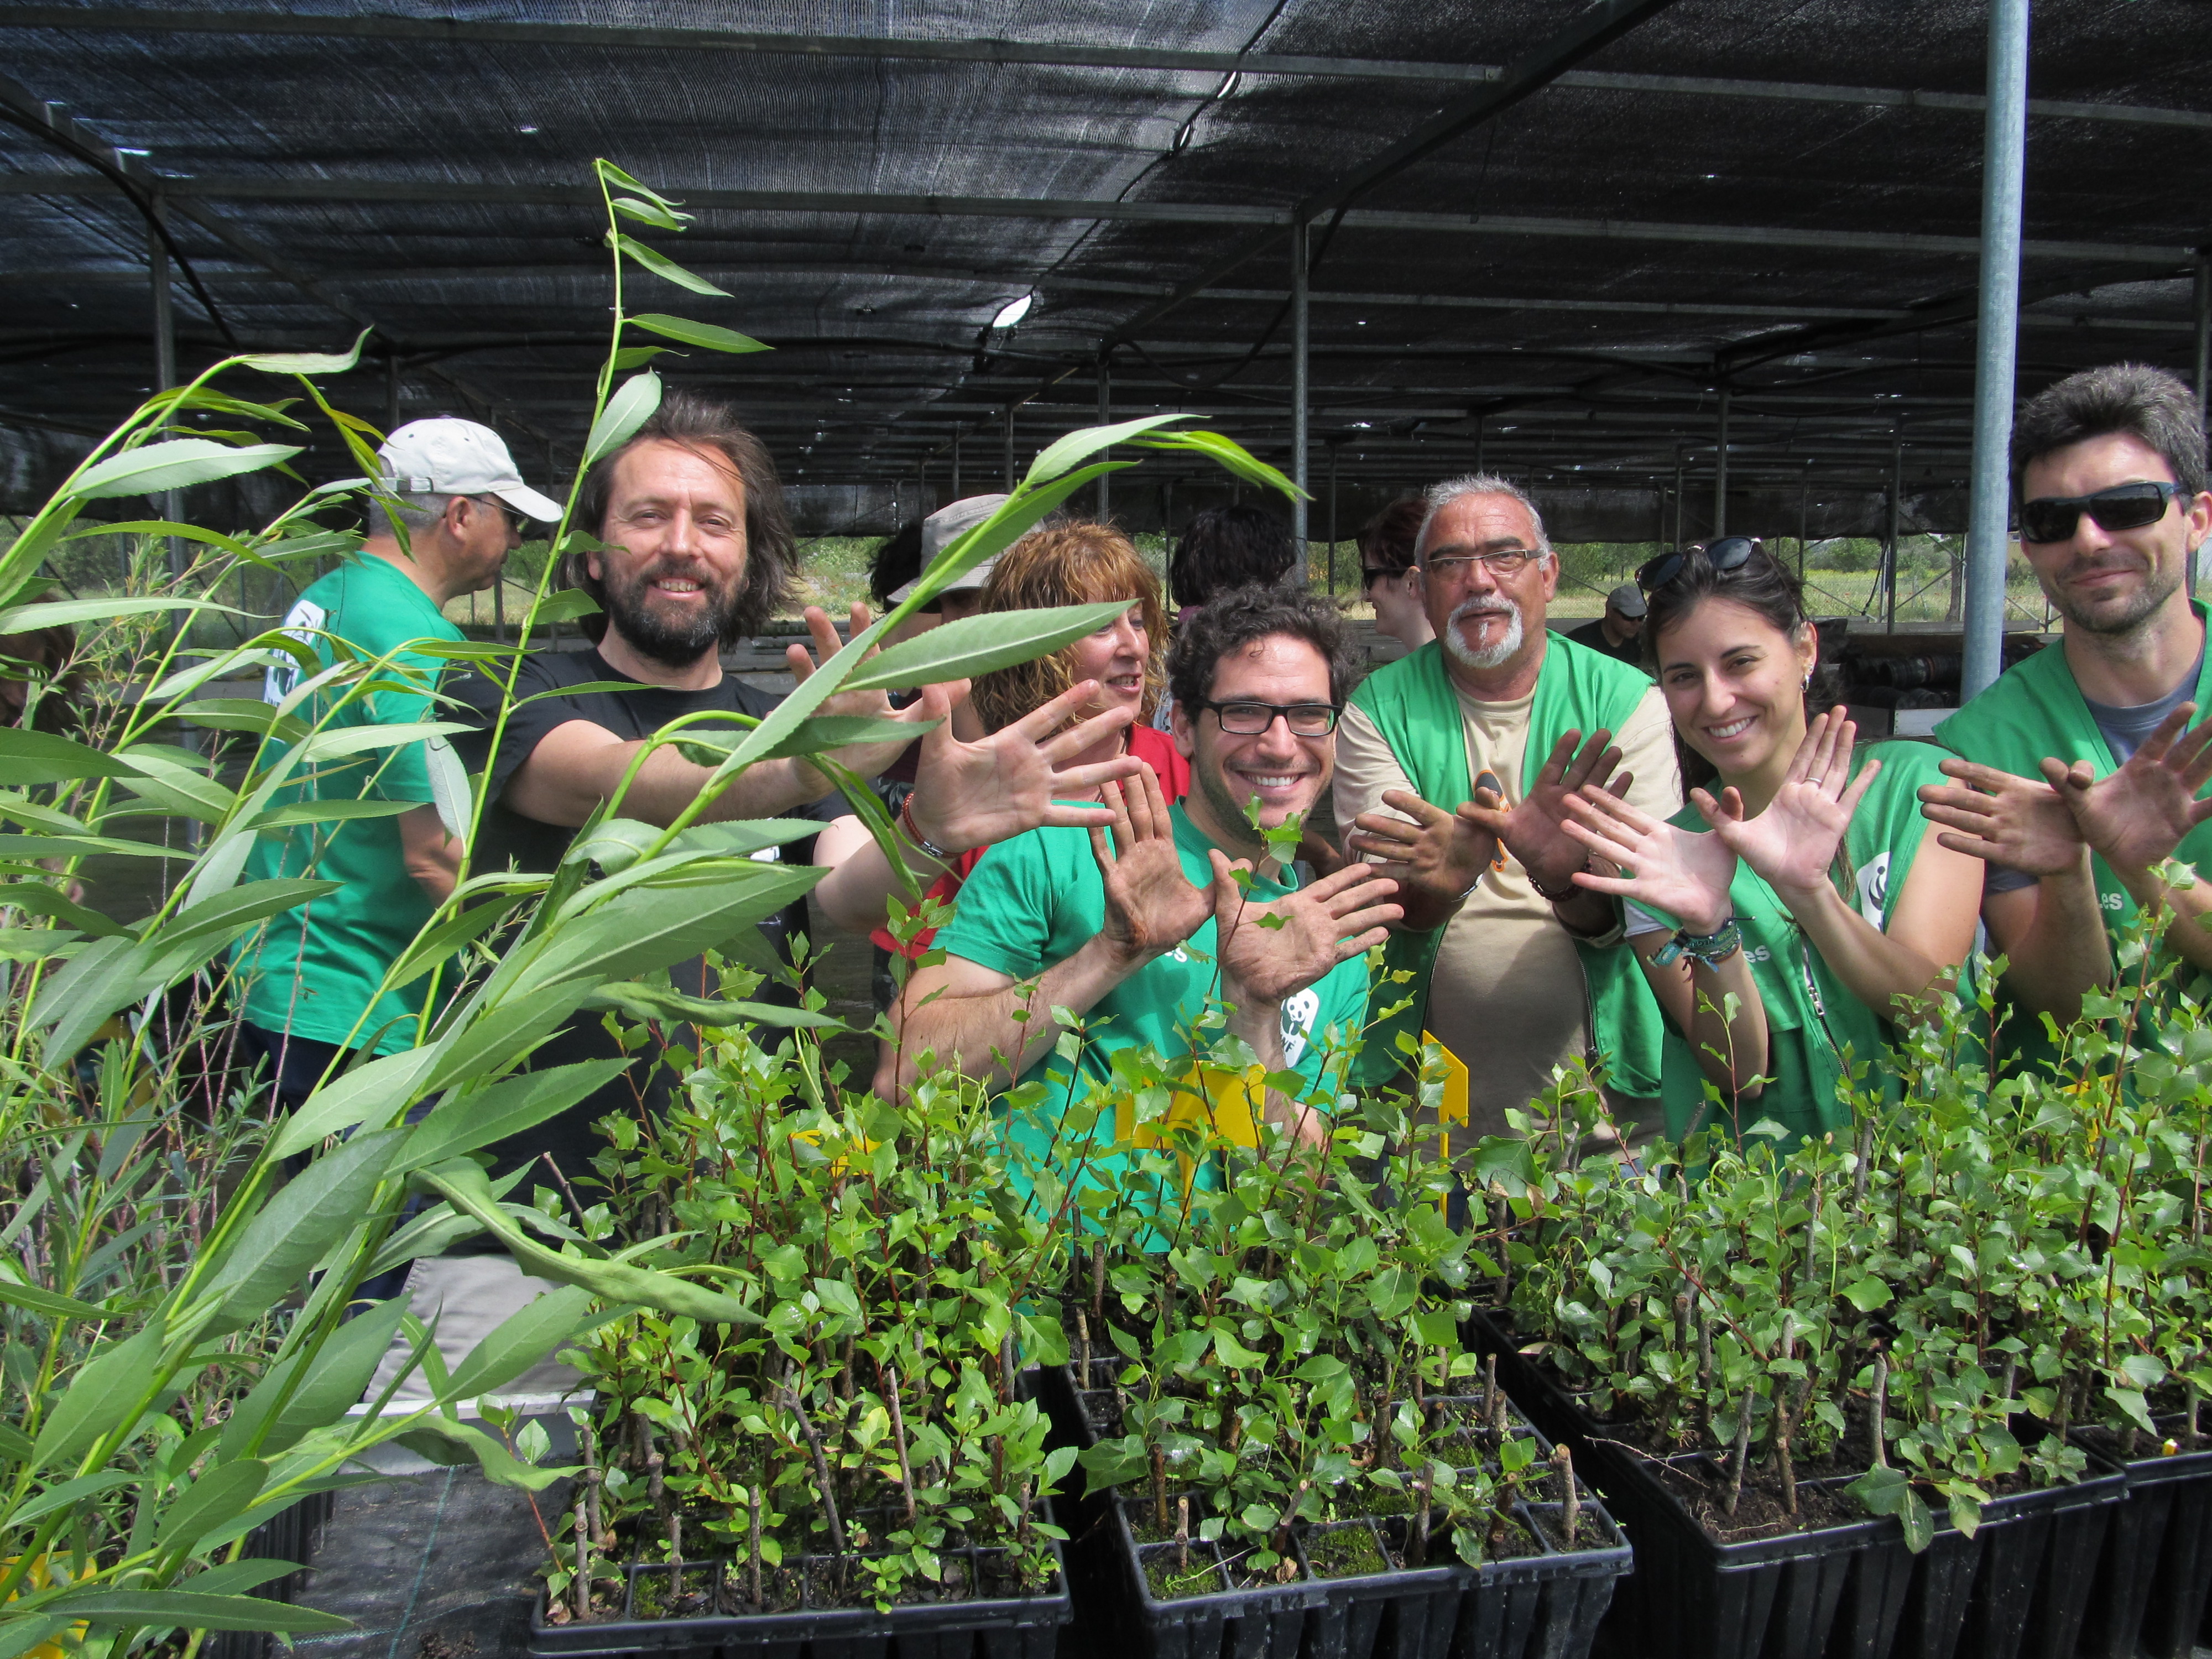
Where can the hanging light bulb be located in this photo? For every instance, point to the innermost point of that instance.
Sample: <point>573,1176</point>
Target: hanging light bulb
<point>1013,311</point>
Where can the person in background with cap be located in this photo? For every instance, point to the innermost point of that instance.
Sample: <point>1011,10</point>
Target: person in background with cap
<point>310,977</point>
<point>1619,632</point>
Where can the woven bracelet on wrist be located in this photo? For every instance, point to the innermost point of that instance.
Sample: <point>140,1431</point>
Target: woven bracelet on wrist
<point>1565,893</point>
<point>1711,949</point>
<point>929,847</point>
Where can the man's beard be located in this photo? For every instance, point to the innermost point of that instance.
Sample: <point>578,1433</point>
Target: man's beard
<point>679,640</point>
<point>2158,587</point>
<point>1489,656</point>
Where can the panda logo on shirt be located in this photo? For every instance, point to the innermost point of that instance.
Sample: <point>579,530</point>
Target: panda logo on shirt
<point>1299,1012</point>
<point>1873,889</point>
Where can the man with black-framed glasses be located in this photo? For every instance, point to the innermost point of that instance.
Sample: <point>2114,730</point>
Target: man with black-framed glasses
<point>1453,764</point>
<point>2083,765</point>
<point>1143,934</point>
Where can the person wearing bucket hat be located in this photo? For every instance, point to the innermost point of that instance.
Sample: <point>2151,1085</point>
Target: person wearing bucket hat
<point>450,512</point>
<point>1619,632</point>
<point>963,595</point>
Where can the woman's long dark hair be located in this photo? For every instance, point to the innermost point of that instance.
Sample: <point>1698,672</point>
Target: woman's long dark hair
<point>1761,585</point>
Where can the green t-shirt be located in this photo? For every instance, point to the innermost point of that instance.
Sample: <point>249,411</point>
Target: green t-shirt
<point>1037,899</point>
<point>313,970</point>
<point>1813,1022</point>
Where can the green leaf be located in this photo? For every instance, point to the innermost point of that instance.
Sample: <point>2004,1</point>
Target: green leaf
<point>38,900</point>
<point>222,1491</point>
<point>442,1440</point>
<point>1000,530</point>
<point>29,758</point>
<point>637,357</point>
<point>381,1089</point>
<point>647,929</point>
<point>571,603</point>
<point>49,1303</point>
<point>2133,1407</point>
<point>183,1606</point>
<point>825,733</point>
<point>643,1000</point>
<point>21,618</point>
<point>977,645</point>
<point>698,334</point>
<point>662,266</point>
<point>649,212</point>
<point>492,1041</point>
<point>1230,454</point>
<point>68,1492</point>
<point>1868,1294</point>
<point>519,1341</point>
<point>175,464</point>
<point>293,1229</point>
<point>1073,449</point>
<point>440,944</point>
<point>462,1123</point>
<point>630,407</point>
<point>337,1375</point>
<point>308,362</point>
<point>99,1397</point>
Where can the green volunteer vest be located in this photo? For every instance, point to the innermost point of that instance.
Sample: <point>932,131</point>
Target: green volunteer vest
<point>1816,1028</point>
<point>2033,711</point>
<point>1415,708</point>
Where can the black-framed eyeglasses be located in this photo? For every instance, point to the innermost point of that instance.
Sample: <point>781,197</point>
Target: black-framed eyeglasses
<point>2124,506</point>
<point>1371,573</point>
<point>1727,554</point>
<point>1249,720</point>
<point>513,515</point>
<point>1504,562</point>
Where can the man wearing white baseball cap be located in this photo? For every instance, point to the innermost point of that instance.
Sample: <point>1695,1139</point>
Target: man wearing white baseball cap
<point>452,515</point>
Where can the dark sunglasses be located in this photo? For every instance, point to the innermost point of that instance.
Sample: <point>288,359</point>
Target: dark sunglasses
<point>1728,553</point>
<point>1371,573</point>
<point>2124,506</point>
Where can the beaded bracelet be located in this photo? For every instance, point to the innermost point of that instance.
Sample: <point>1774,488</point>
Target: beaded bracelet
<point>928,848</point>
<point>1711,949</point>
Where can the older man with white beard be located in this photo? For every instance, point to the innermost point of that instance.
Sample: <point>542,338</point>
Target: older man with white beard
<point>1453,763</point>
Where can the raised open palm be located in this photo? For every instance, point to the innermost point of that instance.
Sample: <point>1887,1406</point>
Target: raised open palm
<point>2135,817</point>
<point>1151,905</point>
<point>977,794</point>
<point>1679,871</point>
<point>1272,951</point>
<point>1792,844</point>
<point>1534,828</point>
<point>2022,823</point>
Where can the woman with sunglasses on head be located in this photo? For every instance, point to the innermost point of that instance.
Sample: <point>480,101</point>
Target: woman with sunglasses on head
<point>1386,572</point>
<point>1798,883</point>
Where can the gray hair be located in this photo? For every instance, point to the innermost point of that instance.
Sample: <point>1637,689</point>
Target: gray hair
<point>1439,496</point>
<point>416,513</point>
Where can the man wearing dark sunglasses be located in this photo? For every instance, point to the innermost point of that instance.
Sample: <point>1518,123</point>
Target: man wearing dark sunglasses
<point>2077,779</point>
<point>1453,768</point>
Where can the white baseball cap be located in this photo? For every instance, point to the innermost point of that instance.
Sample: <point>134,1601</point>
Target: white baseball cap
<point>446,456</point>
<point>945,526</point>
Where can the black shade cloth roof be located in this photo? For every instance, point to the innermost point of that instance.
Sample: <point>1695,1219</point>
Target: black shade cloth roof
<point>1779,198</point>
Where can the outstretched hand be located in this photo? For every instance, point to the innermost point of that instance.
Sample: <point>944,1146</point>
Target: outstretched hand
<point>1677,872</point>
<point>1536,830</point>
<point>2135,817</point>
<point>975,794</point>
<point>1273,950</point>
<point>1792,845</point>
<point>1433,859</point>
<point>1999,817</point>
<point>1151,905</point>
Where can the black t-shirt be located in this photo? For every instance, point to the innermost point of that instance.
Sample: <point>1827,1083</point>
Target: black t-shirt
<point>509,839</point>
<point>1592,633</point>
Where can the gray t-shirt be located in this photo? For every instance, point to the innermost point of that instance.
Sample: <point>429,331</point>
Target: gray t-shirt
<point>2124,727</point>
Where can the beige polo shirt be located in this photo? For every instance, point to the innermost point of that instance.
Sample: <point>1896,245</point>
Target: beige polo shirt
<point>1507,995</point>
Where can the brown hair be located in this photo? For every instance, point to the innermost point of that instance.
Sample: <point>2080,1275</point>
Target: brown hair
<point>44,663</point>
<point>710,429</point>
<point>1388,540</point>
<point>1079,563</point>
<point>2149,404</point>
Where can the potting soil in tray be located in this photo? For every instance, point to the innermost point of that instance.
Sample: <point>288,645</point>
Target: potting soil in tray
<point>978,1611</point>
<point>2019,1586</point>
<point>2152,1593</point>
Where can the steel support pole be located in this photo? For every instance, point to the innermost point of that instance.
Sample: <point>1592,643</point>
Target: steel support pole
<point>1482,424</point>
<point>1333,448</point>
<point>1896,524</point>
<point>955,463</point>
<point>1105,418</point>
<point>1300,342</point>
<point>1677,495</point>
<point>2203,362</point>
<point>2004,158</point>
<point>391,393</point>
<point>1804,517</point>
<point>165,356</point>
<point>1720,471</point>
<point>1010,448</point>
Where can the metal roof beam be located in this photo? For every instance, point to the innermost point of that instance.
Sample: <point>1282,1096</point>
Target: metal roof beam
<point>1275,219</point>
<point>449,31</point>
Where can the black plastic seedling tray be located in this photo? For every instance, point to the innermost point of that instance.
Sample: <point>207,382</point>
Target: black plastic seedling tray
<point>1013,1628</point>
<point>2153,1590</point>
<point>2018,1589</point>
<point>1547,1606</point>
